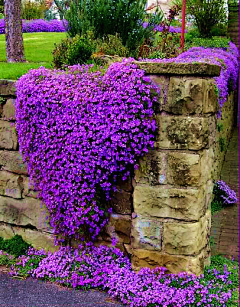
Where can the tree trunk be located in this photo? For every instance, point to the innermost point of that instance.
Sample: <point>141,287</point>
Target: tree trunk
<point>13,31</point>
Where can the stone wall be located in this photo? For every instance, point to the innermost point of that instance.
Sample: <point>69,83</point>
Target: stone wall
<point>161,216</point>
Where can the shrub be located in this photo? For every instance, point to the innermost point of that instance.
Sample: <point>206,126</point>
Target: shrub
<point>207,14</point>
<point>214,42</point>
<point>111,45</point>
<point>81,136</point>
<point>15,246</point>
<point>124,17</point>
<point>72,51</point>
<point>1,7</point>
<point>33,10</point>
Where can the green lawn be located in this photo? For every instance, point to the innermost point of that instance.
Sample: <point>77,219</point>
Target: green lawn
<point>38,51</point>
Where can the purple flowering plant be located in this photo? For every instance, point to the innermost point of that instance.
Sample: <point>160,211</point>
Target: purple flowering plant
<point>39,25</point>
<point>80,135</point>
<point>108,269</point>
<point>223,196</point>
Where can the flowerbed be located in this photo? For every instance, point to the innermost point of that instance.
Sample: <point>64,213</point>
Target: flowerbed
<point>108,269</point>
<point>39,25</point>
<point>227,59</point>
<point>80,136</point>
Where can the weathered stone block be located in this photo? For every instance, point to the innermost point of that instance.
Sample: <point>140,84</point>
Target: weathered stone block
<point>182,132</point>
<point>125,185</point>
<point>38,239</point>
<point>146,233</point>
<point>152,169</point>
<point>121,202</point>
<point>184,169</point>
<point>174,263</point>
<point>118,227</point>
<point>185,96</point>
<point>191,95</point>
<point>187,238</point>
<point>178,203</point>
<point>6,231</point>
<point>9,110</point>
<point>11,161</point>
<point>8,136</point>
<point>210,99</point>
<point>11,185</point>
<point>7,88</point>
<point>26,212</point>
<point>162,83</point>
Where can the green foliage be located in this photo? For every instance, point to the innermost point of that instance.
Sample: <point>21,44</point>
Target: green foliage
<point>222,144</point>
<point>214,42</point>
<point>207,14</point>
<point>15,246</point>
<point>157,54</point>
<point>33,10</point>
<point>1,8</point>
<point>216,206</point>
<point>220,127</point>
<point>111,45</point>
<point>70,51</point>
<point>104,17</point>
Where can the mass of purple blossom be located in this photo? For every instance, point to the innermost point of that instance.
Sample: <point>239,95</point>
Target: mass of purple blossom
<point>160,28</point>
<point>80,135</point>
<point>224,194</point>
<point>108,269</point>
<point>39,25</point>
<point>227,59</point>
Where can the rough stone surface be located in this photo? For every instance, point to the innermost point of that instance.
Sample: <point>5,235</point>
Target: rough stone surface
<point>28,212</point>
<point>180,68</point>
<point>7,88</point>
<point>182,132</point>
<point>121,202</point>
<point>165,202</point>
<point>146,233</point>
<point>190,95</point>
<point>162,82</point>
<point>119,227</point>
<point>11,161</point>
<point>8,136</point>
<point>174,263</point>
<point>184,169</point>
<point>152,169</point>
<point>9,110</point>
<point>187,238</point>
<point>11,185</point>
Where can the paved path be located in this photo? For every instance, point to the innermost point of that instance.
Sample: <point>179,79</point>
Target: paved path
<point>36,293</point>
<point>225,223</point>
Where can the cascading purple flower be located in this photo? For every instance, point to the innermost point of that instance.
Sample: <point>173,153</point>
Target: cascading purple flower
<point>79,135</point>
<point>224,194</point>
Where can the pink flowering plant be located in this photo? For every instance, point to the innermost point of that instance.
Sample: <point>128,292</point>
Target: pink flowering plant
<point>108,269</point>
<point>81,135</point>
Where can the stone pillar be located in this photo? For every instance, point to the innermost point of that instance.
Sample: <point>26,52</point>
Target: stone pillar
<point>173,186</point>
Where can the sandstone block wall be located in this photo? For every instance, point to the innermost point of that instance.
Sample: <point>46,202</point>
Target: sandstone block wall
<point>161,215</point>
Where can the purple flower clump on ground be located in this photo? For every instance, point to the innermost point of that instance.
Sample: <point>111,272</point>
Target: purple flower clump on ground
<point>79,135</point>
<point>108,269</point>
<point>224,194</point>
<point>39,25</point>
<point>227,59</point>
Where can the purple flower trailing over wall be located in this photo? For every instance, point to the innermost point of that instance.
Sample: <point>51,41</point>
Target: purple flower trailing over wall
<point>79,135</point>
<point>224,194</point>
<point>39,25</point>
<point>227,59</point>
<point>108,269</point>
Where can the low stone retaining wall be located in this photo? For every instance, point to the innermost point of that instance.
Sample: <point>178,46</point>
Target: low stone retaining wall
<point>161,216</point>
